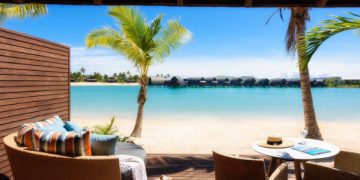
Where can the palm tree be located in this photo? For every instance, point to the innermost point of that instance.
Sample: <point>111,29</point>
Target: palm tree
<point>82,70</point>
<point>8,11</point>
<point>318,35</point>
<point>142,43</point>
<point>294,41</point>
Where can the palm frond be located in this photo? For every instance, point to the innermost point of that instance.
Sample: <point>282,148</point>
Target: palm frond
<point>21,11</point>
<point>132,23</point>
<point>107,129</point>
<point>173,36</point>
<point>299,17</point>
<point>26,10</point>
<point>109,38</point>
<point>278,10</point>
<point>155,26</point>
<point>140,42</point>
<point>318,35</point>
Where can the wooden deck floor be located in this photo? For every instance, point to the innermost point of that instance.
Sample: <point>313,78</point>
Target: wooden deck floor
<point>185,167</point>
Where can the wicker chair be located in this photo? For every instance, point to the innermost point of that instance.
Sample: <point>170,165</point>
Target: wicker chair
<point>346,167</point>
<point>239,168</point>
<point>26,164</point>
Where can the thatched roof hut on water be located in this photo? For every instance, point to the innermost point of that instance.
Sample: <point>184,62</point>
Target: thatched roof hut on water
<point>248,81</point>
<point>177,81</point>
<point>223,81</point>
<point>279,82</point>
<point>158,81</point>
<point>263,82</point>
<point>293,82</point>
<point>196,81</point>
<point>235,81</point>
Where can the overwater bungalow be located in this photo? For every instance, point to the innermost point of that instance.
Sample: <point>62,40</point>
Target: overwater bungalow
<point>157,81</point>
<point>177,81</point>
<point>295,82</point>
<point>223,81</point>
<point>278,82</point>
<point>263,82</point>
<point>211,81</point>
<point>195,81</point>
<point>248,81</point>
<point>237,82</point>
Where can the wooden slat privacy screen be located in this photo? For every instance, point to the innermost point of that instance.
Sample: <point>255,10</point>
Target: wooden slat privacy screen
<point>34,84</point>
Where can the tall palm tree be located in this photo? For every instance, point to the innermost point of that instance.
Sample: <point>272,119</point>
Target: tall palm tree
<point>142,43</point>
<point>294,40</point>
<point>318,35</point>
<point>21,11</point>
<point>82,70</point>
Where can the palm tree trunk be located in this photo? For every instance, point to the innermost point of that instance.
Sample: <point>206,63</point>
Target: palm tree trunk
<point>308,106</point>
<point>309,111</point>
<point>141,102</point>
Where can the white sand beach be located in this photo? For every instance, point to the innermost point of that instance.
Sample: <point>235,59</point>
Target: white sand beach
<point>102,84</point>
<point>202,136</point>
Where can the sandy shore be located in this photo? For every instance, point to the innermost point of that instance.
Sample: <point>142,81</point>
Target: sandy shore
<point>202,136</point>
<point>102,84</point>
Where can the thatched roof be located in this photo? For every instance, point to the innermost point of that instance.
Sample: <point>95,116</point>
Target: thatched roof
<point>248,80</point>
<point>235,81</point>
<point>293,82</point>
<point>194,81</point>
<point>157,81</point>
<point>177,81</point>
<point>263,82</point>
<point>278,82</point>
<point>223,3</point>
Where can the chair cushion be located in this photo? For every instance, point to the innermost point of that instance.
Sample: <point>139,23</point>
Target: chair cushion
<point>72,126</point>
<point>25,137</point>
<point>66,143</point>
<point>123,148</point>
<point>103,144</point>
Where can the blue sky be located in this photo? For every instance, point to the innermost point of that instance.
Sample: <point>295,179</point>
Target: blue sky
<point>226,41</point>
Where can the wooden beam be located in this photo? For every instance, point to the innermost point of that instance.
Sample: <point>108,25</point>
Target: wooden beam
<point>98,2</point>
<point>248,3</point>
<point>180,2</point>
<point>321,3</point>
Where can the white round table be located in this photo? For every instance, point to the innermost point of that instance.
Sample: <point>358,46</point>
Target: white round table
<point>290,154</point>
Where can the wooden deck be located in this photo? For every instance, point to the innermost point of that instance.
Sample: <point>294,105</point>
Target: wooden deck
<point>188,166</point>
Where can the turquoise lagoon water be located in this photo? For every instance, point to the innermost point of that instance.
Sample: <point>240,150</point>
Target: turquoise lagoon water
<point>331,104</point>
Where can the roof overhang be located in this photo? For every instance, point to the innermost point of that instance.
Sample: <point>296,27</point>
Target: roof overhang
<point>204,3</point>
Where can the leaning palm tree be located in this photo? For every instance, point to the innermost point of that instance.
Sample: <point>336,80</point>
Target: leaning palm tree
<point>294,40</point>
<point>141,43</point>
<point>318,35</point>
<point>21,11</point>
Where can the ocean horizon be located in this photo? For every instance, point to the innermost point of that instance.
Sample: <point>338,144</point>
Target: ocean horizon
<point>103,102</point>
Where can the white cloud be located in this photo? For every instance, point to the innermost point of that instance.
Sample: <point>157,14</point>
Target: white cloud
<point>105,61</point>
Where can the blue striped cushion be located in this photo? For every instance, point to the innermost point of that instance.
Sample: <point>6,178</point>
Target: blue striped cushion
<point>25,134</point>
<point>66,143</point>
